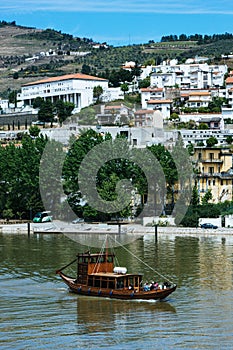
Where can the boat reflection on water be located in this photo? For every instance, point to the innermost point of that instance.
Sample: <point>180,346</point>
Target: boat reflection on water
<point>101,314</point>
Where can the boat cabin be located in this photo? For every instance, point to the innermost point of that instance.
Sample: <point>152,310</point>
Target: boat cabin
<point>97,270</point>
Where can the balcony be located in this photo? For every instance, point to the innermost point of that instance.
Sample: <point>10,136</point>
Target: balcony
<point>222,175</point>
<point>211,160</point>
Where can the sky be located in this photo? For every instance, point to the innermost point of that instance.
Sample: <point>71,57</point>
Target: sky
<point>122,22</point>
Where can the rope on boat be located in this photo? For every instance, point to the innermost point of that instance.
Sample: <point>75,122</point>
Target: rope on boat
<point>64,267</point>
<point>151,268</point>
<point>97,265</point>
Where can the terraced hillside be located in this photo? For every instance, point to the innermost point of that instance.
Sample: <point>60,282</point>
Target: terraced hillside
<point>18,43</point>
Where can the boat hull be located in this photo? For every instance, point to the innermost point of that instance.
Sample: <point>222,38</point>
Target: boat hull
<point>124,294</point>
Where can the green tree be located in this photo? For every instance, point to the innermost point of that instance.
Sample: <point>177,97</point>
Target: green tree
<point>63,110</point>
<point>86,69</point>
<point>229,139</point>
<point>97,92</point>
<point>46,111</point>
<point>202,126</point>
<point>124,88</point>
<point>144,83</point>
<point>13,97</point>
<point>195,197</point>
<point>34,130</point>
<point>207,197</point>
<point>174,116</point>
<point>211,141</point>
<point>37,103</point>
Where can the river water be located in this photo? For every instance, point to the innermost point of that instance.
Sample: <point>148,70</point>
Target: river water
<point>38,312</point>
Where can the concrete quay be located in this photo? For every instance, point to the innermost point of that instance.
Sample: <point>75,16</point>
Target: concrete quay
<point>60,227</point>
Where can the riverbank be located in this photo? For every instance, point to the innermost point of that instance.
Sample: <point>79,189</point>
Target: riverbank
<point>60,227</point>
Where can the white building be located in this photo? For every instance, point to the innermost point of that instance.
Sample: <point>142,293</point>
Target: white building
<point>4,104</point>
<point>148,117</point>
<point>195,76</point>
<point>75,88</point>
<point>198,99</point>
<point>164,106</point>
<point>197,136</point>
<point>148,94</point>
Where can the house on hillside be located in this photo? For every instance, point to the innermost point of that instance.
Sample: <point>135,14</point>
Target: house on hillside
<point>76,88</point>
<point>148,117</point>
<point>151,94</point>
<point>214,172</point>
<point>114,115</point>
<point>198,99</point>
<point>164,106</point>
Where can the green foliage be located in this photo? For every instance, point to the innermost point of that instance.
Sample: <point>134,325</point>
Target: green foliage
<point>202,126</point>
<point>124,87</point>
<point>211,141</point>
<point>195,212</point>
<point>229,139</point>
<point>195,197</point>
<point>19,177</point>
<point>38,102</point>
<point>63,110</point>
<point>34,130</point>
<point>207,197</point>
<point>97,92</point>
<point>46,111</point>
<point>87,116</point>
<point>191,217</point>
<point>7,214</point>
<point>190,149</point>
<point>13,97</point>
<point>174,116</point>
<point>216,104</point>
<point>86,69</point>
<point>166,160</point>
<point>144,83</point>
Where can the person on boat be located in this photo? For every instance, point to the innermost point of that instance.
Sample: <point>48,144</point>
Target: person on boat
<point>130,286</point>
<point>155,285</point>
<point>166,285</point>
<point>146,287</point>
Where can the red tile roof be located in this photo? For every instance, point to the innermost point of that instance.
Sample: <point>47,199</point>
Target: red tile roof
<point>159,101</point>
<point>152,89</point>
<point>200,93</point>
<point>77,76</point>
<point>229,80</point>
<point>144,111</point>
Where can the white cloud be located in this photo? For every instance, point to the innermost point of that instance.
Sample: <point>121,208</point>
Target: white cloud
<point>127,6</point>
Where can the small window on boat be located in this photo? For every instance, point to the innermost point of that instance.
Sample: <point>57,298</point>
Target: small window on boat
<point>97,282</point>
<point>111,284</point>
<point>90,281</point>
<point>110,259</point>
<point>104,284</point>
<point>120,283</point>
<point>93,259</point>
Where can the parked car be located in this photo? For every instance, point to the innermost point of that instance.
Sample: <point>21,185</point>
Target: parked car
<point>38,122</point>
<point>77,221</point>
<point>208,225</point>
<point>43,216</point>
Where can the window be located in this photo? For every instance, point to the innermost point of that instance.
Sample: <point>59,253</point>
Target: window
<point>211,170</point>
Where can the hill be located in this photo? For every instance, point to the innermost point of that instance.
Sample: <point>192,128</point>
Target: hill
<point>27,54</point>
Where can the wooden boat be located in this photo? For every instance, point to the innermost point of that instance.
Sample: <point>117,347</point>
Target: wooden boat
<point>97,276</point>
